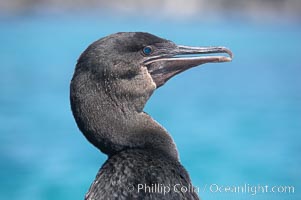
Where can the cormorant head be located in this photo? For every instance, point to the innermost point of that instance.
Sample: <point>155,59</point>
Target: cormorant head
<point>133,64</point>
<point>114,78</point>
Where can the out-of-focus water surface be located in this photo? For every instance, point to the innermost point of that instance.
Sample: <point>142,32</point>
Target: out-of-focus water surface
<point>234,123</point>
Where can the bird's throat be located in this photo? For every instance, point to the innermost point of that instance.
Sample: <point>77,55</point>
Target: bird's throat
<point>111,125</point>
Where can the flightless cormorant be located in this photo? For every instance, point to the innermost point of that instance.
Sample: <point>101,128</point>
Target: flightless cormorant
<point>113,79</point>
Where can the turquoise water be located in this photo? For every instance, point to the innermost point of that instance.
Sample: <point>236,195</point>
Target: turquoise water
<point>234,124</point>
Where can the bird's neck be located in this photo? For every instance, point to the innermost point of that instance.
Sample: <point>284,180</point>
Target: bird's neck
<point>114,124</point>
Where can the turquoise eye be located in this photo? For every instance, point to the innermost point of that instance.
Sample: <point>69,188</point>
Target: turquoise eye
<point>147,50</point>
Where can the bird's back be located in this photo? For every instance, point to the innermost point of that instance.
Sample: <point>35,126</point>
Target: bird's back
<point>141,174</point>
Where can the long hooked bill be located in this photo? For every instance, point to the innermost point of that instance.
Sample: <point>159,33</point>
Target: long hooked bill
<point>181,58</point>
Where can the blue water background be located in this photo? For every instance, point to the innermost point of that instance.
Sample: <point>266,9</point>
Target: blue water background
<point>234,123</point>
